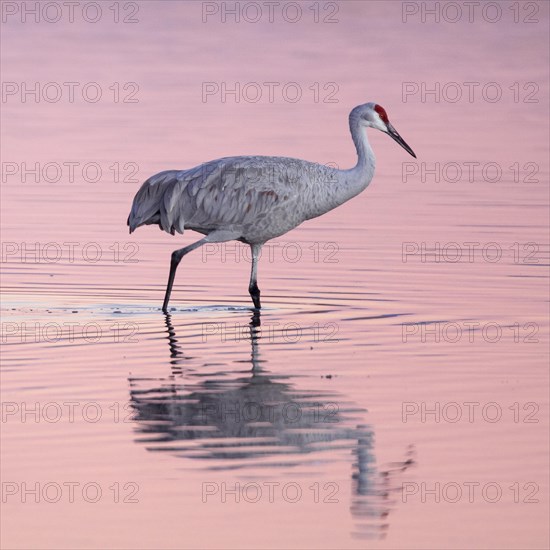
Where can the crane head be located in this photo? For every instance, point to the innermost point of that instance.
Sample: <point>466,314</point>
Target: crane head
<point>373,115</point>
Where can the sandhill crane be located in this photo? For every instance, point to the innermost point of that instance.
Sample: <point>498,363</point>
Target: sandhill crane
<point>253,199</point>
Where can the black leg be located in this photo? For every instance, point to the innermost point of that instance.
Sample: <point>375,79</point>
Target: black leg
<point>255,294</point>
<point>253,286</point>
<point>177,255</point>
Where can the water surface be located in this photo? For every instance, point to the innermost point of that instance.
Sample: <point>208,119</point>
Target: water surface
<point>361,407</point>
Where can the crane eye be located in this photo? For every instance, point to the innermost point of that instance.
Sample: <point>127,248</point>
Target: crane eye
<point>381,113</point>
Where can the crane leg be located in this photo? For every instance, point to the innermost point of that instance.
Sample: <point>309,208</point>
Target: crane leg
<point>253,286</point>
<point>177,255</point>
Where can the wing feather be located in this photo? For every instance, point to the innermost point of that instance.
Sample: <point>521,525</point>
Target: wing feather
<point>232,191</point>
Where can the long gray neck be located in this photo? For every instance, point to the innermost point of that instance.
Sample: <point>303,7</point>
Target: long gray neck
<point>352,182</point>
<point>343,185</point>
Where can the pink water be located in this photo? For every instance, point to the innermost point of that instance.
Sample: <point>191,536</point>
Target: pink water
<point>317,413</point>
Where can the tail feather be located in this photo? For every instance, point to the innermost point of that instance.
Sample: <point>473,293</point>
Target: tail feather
<point>156,202</point>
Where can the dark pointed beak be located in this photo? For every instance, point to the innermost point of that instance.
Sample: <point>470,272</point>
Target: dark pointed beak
<point>392,132</point>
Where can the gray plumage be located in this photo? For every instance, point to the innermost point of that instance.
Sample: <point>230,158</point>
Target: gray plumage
<point>259,197</point>
<point>253,199</point>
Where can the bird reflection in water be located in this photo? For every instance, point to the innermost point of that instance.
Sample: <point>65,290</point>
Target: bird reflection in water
<point>257,418</point>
